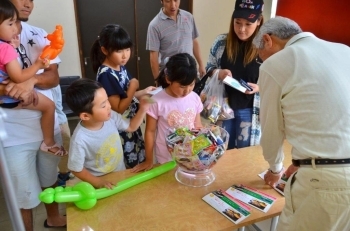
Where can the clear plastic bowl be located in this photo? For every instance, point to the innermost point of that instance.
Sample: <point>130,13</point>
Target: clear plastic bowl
<point>195,162</point>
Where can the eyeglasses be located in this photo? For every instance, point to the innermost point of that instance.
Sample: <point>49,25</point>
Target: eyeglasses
<point>23,55</point>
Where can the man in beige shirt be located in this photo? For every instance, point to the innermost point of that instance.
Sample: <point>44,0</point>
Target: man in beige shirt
<point>304,88</point>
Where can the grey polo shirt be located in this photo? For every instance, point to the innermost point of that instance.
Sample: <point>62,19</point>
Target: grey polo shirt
<point>170,37</point>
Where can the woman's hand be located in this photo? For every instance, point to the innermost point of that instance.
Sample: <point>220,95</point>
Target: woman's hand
<point>223,73</point>
<point>255,88</point>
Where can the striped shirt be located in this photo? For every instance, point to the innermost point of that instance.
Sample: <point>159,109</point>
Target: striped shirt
<point>170,37</point>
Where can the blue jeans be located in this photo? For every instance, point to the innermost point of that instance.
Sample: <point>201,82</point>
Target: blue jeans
<point>239,128</point>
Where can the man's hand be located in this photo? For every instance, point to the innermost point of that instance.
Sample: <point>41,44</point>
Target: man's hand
<point>22,91</point>
<point>201,71</point>
<point>272,178</point>
<point>290,170</point>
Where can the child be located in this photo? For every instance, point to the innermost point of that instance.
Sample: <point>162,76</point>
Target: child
<point>95,147</point>
<point>175,106</point>
<point>10,68</point>
<point>109,55</point>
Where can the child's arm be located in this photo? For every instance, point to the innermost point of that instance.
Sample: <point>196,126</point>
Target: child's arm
<point>150,134</point>
<point>19,75</point>
<point>95,181</point>
<point>198,121</point>
<point>136,121</point>
<point>120,105</point>
<point>145,91</point>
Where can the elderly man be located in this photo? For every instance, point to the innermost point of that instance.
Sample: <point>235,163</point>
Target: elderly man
<point>304,87</point>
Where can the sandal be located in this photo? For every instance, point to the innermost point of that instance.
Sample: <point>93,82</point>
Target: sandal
<point>61,151</point>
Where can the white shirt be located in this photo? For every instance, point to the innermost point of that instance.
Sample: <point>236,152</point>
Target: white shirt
<point>305,98</point>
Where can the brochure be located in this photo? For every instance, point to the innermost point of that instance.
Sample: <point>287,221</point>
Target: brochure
<point>279,186</point>
<point>231,208</point>
<point>234,83</point>
<point>155,91</point>
<point>252,197</point>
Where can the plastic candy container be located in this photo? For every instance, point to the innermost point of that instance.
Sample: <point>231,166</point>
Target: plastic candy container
<point>196,152</point>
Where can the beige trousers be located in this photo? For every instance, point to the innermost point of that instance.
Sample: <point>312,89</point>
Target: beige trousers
<point>65,132</point>
<point>317,200</point>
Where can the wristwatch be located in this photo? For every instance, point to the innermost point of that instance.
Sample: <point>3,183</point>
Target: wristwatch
<point>276,173</point>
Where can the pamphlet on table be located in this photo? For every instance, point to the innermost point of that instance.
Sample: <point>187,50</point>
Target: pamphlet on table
<point>231,208</point>
<point>252,197</point>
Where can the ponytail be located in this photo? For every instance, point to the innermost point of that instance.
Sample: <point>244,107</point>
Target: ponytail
<point>161,79</point>
<point>96,55</point>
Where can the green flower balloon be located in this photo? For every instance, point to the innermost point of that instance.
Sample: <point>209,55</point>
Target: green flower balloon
<point>85,196</point>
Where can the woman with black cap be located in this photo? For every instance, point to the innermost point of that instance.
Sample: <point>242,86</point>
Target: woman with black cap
<point>235,56</point>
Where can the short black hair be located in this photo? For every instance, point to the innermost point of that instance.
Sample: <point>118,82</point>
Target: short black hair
<point>7,10</point>
<point>80,95</point>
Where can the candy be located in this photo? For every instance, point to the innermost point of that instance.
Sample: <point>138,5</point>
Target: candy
<point>197,149</point>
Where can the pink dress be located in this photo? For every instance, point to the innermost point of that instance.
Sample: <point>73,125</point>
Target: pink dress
<point>172,113</point>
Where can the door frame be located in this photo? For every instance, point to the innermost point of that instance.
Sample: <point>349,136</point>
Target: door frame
<point>81,56</point>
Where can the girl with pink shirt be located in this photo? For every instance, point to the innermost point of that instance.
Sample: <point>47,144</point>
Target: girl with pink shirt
<point>175,106</point>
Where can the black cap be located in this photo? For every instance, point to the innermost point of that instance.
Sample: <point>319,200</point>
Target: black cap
<point>248,9</point>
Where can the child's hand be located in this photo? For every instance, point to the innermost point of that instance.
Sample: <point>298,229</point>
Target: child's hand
<point>15,41</point>
<point>147,90</point>
<point>145,102</point>
<point>43,63</point>
<point>147,165</point>
<point>104,184</point>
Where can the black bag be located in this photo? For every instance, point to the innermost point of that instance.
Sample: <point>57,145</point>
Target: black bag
<point>200,84</point>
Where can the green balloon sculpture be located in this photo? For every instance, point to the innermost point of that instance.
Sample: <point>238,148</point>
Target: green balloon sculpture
<point>85,196</point>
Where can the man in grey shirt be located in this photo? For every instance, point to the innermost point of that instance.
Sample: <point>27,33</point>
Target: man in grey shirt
<point>172,31</point>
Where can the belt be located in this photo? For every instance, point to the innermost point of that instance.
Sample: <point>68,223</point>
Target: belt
<point>297,163</point>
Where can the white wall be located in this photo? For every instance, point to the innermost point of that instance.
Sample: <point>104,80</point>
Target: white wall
<point>47,14</point>
<point>212,18</point>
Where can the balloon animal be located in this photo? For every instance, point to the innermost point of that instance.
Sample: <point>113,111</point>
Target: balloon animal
<point>85,196</point>
<point>56,44</point>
